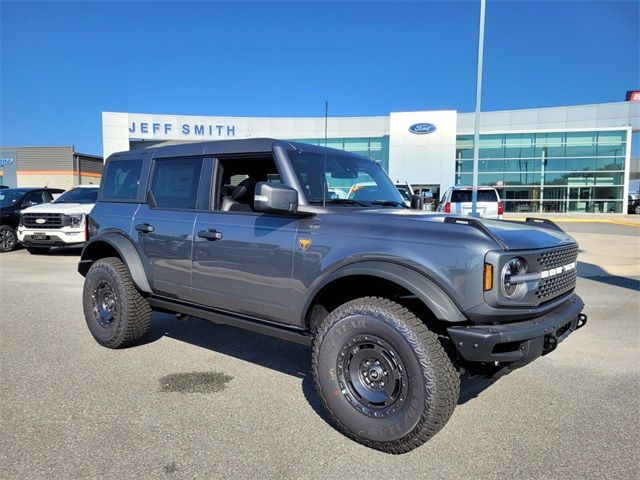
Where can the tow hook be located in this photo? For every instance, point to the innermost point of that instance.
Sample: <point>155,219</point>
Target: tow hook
<point>550,343</point>
<point>582,321</point>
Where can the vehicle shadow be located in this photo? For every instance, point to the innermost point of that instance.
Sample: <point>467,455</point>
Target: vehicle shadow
<point>269,352</point>
<point>593,272</point>
<point>65,252</point>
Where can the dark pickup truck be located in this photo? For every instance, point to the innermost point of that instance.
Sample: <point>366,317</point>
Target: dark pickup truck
<point>279,238</point>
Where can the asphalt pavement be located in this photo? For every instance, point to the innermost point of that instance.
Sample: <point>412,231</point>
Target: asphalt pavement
<point>198,400</point>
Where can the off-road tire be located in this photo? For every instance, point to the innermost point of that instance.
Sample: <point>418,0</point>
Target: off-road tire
<point>8,238</point>
<point>433,385</point>
<point>38,250</point>
<point>131,317</point>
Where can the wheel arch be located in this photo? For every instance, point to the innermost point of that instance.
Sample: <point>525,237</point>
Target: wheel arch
<point>113,244</point>
<point>399,279</point>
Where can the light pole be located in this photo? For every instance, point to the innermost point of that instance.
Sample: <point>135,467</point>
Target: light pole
<point>476,130</point>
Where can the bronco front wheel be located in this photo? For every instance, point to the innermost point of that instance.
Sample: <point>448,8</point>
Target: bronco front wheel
<point>383,376</point>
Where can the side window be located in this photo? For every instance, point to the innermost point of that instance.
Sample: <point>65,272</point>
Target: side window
<point>175,182</point>
<point>247,172</point>
<point>122,179</point>
<point>35,198</point>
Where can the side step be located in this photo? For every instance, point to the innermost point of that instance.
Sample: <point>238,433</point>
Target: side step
<point>227,318</point>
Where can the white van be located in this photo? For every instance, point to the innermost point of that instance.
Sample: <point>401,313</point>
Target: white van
<point>458,200</point>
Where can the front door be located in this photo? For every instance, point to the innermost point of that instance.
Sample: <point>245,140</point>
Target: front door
<point>242,263</point>
<point>242,259</point>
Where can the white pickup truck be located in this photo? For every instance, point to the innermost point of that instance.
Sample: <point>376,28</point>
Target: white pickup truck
<point>59,223</point>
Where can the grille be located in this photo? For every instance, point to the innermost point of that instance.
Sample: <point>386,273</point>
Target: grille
<point>51,220</point>
<point>555,286</point>
<point>558,258</point>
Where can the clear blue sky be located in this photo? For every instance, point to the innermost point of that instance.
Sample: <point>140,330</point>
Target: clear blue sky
<point>64,63</point>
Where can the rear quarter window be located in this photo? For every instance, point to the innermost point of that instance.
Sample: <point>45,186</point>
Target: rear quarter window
<point>122,179</point>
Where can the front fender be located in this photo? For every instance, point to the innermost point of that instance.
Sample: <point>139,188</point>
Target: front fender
<point>415,282</point>
<point>104,245</point>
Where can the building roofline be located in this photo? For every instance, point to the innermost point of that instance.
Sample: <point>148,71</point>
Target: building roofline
<point>369,116</point>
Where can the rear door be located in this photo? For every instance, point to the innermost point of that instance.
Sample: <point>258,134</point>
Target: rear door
<point>164,228</point>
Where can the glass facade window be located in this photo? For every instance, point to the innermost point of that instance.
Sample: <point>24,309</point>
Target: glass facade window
<point>551,171</point>
<point>376,148</point>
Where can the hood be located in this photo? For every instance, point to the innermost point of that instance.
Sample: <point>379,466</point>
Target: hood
<point>64,208</point>
<point>515,235</point>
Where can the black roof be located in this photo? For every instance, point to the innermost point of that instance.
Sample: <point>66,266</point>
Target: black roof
<point>226,147</point>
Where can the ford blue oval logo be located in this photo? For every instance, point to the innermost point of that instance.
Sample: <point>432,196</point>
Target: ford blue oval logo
<point>422,128</point>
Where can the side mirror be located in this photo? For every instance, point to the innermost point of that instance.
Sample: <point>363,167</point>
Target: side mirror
<point>275,198</point>
<point>417,202</point>
<point>29,203</point>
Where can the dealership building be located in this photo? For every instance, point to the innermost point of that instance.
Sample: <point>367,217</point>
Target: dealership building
<point>56,167</point>
<point>555,160</point>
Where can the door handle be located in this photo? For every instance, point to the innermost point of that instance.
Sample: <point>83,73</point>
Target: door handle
<point>210,234</point>
<point>144,228</point>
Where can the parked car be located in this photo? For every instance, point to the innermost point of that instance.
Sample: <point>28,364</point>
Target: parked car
<point>394,301</point>
<point>12,200</point>
<point>406,190</point>
<point>458,200</point>
<point>59,223</point>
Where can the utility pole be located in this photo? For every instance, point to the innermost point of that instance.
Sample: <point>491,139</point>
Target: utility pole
<point>476,130</point>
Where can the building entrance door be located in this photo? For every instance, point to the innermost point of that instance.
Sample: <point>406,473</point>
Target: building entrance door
<point>579,199</point>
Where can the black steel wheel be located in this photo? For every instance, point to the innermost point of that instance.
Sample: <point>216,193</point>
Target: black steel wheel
<point>105,303</point>
<point>116,313</point>
<point>384,377</point>
<point>8,238</point>
<point>373,375</point>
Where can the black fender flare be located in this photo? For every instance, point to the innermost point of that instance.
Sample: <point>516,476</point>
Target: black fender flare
<point>127,252</point>
<point>415,282</point>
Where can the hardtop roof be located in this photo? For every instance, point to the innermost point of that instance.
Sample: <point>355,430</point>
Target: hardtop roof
<point>225,147</point>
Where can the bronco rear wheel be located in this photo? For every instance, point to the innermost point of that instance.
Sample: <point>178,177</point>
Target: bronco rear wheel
<point>383,376</point>
<point>115,312</point>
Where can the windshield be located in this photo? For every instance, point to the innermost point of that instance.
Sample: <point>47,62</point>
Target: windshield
<point>78,195</point>
<point>344,179</point>
<point>9,197</point>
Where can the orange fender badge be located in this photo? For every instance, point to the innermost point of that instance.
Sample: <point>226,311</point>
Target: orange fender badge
<point>304,243</point>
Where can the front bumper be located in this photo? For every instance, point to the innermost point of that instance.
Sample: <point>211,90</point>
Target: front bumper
<point>519,343</point>
<point>52,238</point>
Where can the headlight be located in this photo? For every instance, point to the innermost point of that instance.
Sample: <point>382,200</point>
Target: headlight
<point>514,291</point>
<point>76,220</point>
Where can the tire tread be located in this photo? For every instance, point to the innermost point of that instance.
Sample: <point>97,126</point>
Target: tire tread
<point>422,340</point>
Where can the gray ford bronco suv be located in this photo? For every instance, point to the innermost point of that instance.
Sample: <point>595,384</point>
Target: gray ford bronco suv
<point>316,246</point>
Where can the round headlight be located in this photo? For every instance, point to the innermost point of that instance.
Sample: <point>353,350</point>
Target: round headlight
<point>514,291</point>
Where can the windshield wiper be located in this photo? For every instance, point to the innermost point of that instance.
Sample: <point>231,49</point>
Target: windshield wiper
<point>349,201</point>
<point>389,203</point>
